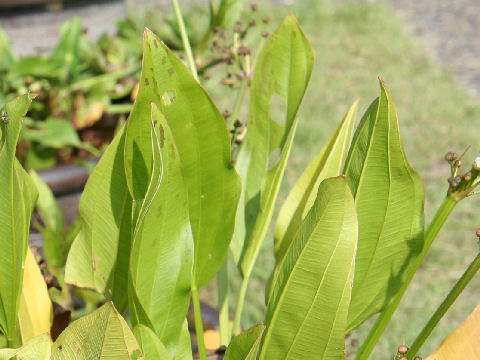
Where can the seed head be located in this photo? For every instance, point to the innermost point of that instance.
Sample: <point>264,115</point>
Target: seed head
<point>253,22</point>
<point>450,156</point>
<point>216,29</point>
<point>402,349</point>
<point>254,7</point>
<point>417,358</point>
<point>467,176</point>
<point>478,233</point>
<point>476,164</point>
<point>237,29</point>
<point>457,163</point>
<point>237,123</point>
<point>266,20</point>
<point>238,23</point>
<point>265,34</point>
<point>226,114</point>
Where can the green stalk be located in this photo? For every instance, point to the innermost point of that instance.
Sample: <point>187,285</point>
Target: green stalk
<point>119,108</point>
<point>202,351</point>
<point>379,327</point>
<point>239,309</point>
<point>186,43</point>
<point>223,316</point>
<point>442,309</point>
<point>238,101</point>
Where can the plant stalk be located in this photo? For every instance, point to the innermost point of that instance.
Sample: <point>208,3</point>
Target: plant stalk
<point>379,327</point>
<point>186,43</point>
<point>239,309</point>
<point>202,351</point>
<point>442,309</point>
<point>223,316</point>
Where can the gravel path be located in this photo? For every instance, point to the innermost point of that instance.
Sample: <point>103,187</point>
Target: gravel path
<point>450,30</point>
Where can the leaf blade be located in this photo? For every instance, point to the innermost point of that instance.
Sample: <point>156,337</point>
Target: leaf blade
<point>389,200</point>
<point>308,321</point>
<point>327,163</point>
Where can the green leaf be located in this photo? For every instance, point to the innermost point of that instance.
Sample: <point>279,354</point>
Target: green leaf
<point>99,256</point>
<point>55,245</point>
<point>245,346</point>
<point>7,57</point>
<point>228,12</point>
<point>17,199</point>
<point>307,312</point>
<point>203,142</point>
<point>65,55</point>
<point>184,348</point>
<point>151,345</point>
<point>329,162</point>
<point>162,249</point>
<point>103,334</point>
<point>282,74</point>
<point>38,348</point>
<point>389,200</point>
<point>53,133</point>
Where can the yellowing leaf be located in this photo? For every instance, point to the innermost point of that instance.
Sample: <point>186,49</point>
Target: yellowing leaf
<point>35,313</point>
<point>462,343</point>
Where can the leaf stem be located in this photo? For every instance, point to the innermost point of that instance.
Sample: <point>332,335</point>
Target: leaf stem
<point>198,324</point>
<point>379,327</point>
<point>239,309</point>
<point>186,43</point>
<point>223,316</point>
<point>442,309</point>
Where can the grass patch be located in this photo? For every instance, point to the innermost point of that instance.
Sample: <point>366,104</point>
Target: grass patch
<point>354,44</point>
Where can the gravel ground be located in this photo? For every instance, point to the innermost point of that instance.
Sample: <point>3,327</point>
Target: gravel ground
<point>450,31</point>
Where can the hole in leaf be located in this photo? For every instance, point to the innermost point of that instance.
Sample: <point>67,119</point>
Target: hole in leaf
<point>278,109</point>
<point>274,158</point>
<point>168,97</point>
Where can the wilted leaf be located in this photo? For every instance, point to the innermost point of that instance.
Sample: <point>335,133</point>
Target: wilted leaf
<point>282,75</point>
<point>245,346</point>
<point>35,312</point>
<point>17,199</point>
<point>389,200</point>
<point>307,311</point>
<point>101,335</point>
<point>329,162</point>
<point>461,344</point>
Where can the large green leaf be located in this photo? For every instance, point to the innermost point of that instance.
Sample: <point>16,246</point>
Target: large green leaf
<point>38,348</point>
<point>282,74</point>
<point>307,312</point>
<point>184,348</point>
<point>203,142</point>
<point>389,200</point>
<point>245,346</point>
<point>101,335</point>
<point>328,162</point>
<point>151,345</point>
<point>162,248</point>
<point>99,255</point>
<point>17,199</point>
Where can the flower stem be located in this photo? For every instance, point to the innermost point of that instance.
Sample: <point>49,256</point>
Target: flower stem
<point>238,311</point>
<point>198,324</point>
<point>379,327</point>
<point>223,316</point>
<point>442,309</point>
<point>186,43</point>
